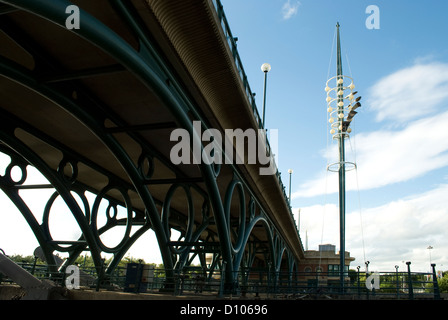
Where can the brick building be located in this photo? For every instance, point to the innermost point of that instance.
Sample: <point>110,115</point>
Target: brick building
<point>322,266</point>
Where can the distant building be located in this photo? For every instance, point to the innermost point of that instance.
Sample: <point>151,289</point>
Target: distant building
<point>322,266</point>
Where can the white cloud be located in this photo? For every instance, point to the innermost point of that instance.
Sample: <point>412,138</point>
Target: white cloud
<point>411,141</point>
<point>318,225</point>
<point>410,92</point>
<point>403,229</point>
<point>290,9</point>
<point>386,235</point>
<point>387,156</point>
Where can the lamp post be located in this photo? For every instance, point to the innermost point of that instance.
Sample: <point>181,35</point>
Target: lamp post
<point>397,280</point>
<point>265,67</point>
<point>290,174</point>
<point>429,249</point>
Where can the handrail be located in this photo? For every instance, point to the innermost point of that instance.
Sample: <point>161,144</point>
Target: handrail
<point>231,41</point>
<point>403,285</point>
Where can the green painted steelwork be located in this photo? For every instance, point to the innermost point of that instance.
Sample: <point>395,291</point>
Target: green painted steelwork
<point>146,64</point>
<point>341,146</point>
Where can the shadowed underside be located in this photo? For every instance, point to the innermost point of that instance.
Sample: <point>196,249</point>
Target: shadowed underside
<point>93,109</point>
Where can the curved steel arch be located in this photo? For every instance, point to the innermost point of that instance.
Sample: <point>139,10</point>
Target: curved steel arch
<point>154,77</point>
<point>41,231</point>
<point>62,189</point>
<point>251,225</point>
<point>7,185</point>
<point>105,38</point>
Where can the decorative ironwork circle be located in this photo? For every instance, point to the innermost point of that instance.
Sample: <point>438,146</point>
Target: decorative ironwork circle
<point>111,218</point>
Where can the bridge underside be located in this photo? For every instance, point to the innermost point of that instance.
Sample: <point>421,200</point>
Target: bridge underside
<point>92,109</point>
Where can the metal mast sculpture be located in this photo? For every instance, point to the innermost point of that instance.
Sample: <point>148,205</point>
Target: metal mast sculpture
<point>340,119</point>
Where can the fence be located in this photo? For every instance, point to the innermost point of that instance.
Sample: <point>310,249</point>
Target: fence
<point>255,283</point>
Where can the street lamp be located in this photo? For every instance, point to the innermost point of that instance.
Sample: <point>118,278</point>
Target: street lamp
<point>265,67</point>
<point>429,249</point>
<point>290,174</point>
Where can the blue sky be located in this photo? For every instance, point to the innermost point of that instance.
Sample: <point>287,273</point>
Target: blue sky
<point>396,203</point>
<point>396,199</point>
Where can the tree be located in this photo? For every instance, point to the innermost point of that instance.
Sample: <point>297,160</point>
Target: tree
<point>443,283</point>
<point>17,258</point>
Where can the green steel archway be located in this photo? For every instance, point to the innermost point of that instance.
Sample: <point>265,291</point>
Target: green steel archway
<point>221,209</point>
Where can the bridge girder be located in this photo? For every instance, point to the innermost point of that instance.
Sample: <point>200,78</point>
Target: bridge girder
<point>99,121</point>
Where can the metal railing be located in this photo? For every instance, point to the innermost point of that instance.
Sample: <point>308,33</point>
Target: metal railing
<point>257,283</point>
<point>231,41</point>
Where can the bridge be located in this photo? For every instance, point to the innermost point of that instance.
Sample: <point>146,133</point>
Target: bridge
<point>90,95</point>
